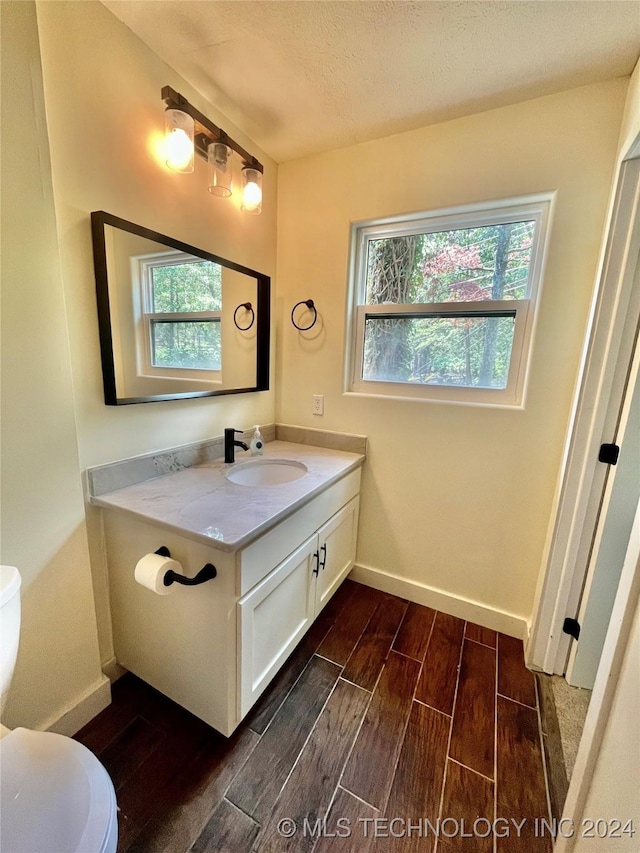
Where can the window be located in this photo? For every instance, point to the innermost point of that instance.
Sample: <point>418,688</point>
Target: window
<point>443,305</point>
<point>181,297</point>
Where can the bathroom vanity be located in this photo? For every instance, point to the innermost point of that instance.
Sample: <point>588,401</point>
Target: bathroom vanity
<point>280,549</point>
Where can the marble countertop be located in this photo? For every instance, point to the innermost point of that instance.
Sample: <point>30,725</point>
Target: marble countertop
<point>201,503</point>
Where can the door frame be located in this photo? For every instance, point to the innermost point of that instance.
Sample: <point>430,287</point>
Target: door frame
<point>607,512</point>
<point>582,478</point>
<point>604,690</point>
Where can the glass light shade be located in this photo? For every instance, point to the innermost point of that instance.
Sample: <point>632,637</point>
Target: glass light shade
<point>179,128</point>
<point>220,169</point>
<point>251,190</point>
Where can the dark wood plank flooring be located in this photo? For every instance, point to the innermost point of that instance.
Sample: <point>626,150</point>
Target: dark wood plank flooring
<point>391,727</point>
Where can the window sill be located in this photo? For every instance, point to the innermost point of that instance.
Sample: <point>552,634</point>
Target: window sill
<point>399,398</point>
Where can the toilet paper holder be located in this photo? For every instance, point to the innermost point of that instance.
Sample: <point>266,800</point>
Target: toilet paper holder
<point>207,573</point>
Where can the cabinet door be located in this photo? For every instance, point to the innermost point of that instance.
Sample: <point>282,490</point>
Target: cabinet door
<point>273,617</point>
<point>337,551</point>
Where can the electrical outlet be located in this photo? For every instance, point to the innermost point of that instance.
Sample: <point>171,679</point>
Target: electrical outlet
<point>318,404</point>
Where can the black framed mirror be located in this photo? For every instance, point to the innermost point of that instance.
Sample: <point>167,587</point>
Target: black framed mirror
<point>175,321</point>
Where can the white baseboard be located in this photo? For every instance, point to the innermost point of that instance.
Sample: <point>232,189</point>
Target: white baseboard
<point>113,670</point>
<point>463,608</point>
<point>96,699</point>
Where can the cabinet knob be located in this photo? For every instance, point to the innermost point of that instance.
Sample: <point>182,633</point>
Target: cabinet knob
<point>323,561</point>
<point>316,557</point>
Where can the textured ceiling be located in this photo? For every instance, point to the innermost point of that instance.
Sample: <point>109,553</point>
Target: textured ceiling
<point>311,75</point>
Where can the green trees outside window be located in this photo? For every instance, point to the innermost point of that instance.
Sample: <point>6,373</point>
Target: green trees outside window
<point>471,265</point>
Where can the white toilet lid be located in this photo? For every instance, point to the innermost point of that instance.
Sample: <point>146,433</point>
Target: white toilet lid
<point>55,795</point>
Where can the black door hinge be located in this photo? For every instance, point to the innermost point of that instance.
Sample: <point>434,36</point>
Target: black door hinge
<point>609,454</point>
<point>572,628</point>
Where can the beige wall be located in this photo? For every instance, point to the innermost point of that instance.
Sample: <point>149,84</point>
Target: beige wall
<point>631,120</point>
<point>43,529</point>
<point>455,498</point>
<point>102,89</point>
<point>105,112</point>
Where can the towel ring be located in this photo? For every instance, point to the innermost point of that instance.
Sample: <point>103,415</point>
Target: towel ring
<point>310,305</point>
<point>248,307</point>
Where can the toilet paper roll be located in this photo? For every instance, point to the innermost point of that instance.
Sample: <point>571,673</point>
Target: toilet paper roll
<point>151,569</point>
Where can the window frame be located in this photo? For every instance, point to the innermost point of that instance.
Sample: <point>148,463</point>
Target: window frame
<point>536,208</point>
<point>142,273</point>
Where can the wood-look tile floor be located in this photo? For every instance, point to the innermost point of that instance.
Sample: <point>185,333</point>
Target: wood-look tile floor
<point>392,727</point>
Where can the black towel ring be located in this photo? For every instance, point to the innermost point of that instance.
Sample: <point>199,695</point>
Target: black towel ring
<point>310,305</point>
<point>248,307</point>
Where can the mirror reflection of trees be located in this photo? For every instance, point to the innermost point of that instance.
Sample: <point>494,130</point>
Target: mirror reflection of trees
<point>190,287</point>
<point>490,263</point>
<point>195,345</point>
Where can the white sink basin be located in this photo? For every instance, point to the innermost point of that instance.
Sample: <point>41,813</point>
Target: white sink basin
<point>266,472</point>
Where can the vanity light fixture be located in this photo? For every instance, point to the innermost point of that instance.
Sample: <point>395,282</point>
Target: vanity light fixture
<point>179,127</point>
<point>220,169</point>
<point>189,131</point>
<point>251,190</point>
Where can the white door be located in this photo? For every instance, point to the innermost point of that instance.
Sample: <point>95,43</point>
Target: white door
<point>615,523</point>
<point>336,552</point>
<point>274,615</point>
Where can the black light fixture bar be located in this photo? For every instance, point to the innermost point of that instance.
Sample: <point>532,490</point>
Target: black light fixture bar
<point>206,131</point>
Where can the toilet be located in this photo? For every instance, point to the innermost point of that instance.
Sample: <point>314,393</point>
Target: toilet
<point>54,793</point>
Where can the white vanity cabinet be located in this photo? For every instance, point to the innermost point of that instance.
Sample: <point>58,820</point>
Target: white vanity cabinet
<point>275,614</point>
<point>215,647</point>
<point>337,551</point>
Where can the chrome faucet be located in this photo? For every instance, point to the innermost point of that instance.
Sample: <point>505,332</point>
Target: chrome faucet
<point>230,444</point>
